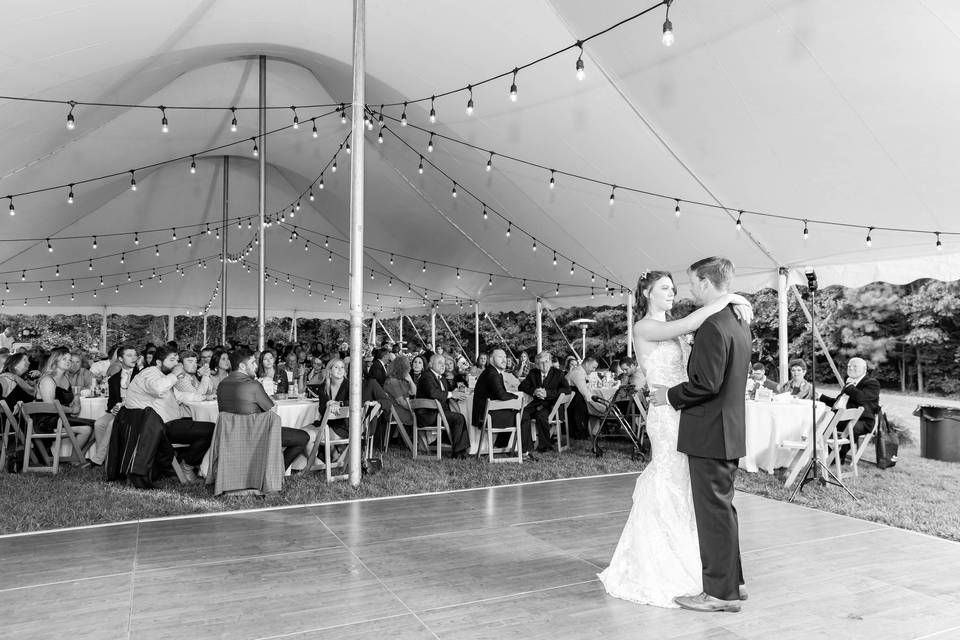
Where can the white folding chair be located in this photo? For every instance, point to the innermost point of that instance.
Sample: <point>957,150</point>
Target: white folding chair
<point>11,427</point>
<point>558,421</point>
<point>859,446</point>
<point>514,444</point>
<point>438,428</point>
<point>396,425</point>
<point>828,443</point>
<point>63,428</point>
<point>330,440</point>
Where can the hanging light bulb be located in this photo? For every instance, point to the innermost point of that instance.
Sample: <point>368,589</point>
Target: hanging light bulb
<point>193,165</point>
<point>485,212</point>
<point>612,196</point>
<point>433,111</point>
<point>314,133</point>
<point>490,281</point>
<point>73,284</point>
<point>591,293</point>
<point>572,264</point>
<point>593,277</point>
<point>320,185</point>
<point>141,284</point>
<point>403,116</point>
<point>116,289</point>
<point>558,289</point>
<point>347,147</point>
<point>430,144</point>
<point>667,37</point>
<point>509,227</point>
<point>333,167</point>
<point>513,86</point>
<point>156,250</point>
<point>580,72</point>
<point>164,126</point>
<point>70,195</point>
<point>101,281</point>
<point>490,162</point>
<point>533,247</point>
<point>458,273</point>
<point>470,101</point>
<point>676,210</point>
<point>296,119</point>
<point>453,194</point>
<point>173,233</point>
<point>58,271</point>
<point>23,275</point>
<point>380,136</point>
<point>554,258</point>
<point>869,240</point>
<point>50,249</point>
<point>123,258</point>
<point>343,113</point>
<point>524,285</point>
<point>71,121</point>
<point>256,149</point>
<point>739,224</point>
<point>939,244</point>
<point>420,167</point>
<point>41,285</point>
<point>13,210</point>
<point>89,265</point>
<point>94,243</point>
<point>553,182</point>
<point>189,241</point>
<point>806,232</point>
<point>133,180</point>
<point>233,122</point>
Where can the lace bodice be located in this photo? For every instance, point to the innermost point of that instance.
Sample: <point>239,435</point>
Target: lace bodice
<point>667,364</point>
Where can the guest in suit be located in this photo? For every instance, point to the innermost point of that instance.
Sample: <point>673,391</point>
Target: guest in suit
<point>433,386</point>
<point>378,368</point>
<point>797,385</point>
<point>545,384</point>
<point>240,393</point>
<point>490,386</point>
<point>117,385</point>
<point>858,391</point>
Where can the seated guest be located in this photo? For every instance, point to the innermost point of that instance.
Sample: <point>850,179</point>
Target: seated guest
<point>759,380</point>
<point>630,373</point>
<point>16,387</point>
<point>490,387</point>
<point>79,374</point>
<point>117,385</point>
<point>267,369</point>
<point>220,367</point>
<point>579,410</point>
<point>401,387</point>
<point>524,367</point>
<point>240,393</point>
<point>148,353</point>
<point>206,355</point>
<point>100,368</point>
<point>196,385</point>
<point>545,384</point>
<point>450,371</point>
<point>480,364</point>
<point>317,373</point>
<point>433,386</point>
<point>378,368</point>
<point>858,391</point>
<point>463,370</point>
<point>333,394</point>
<point>417,367</point>
<point>53,386</point>
<point>797,385</point>
<point>288,373</point>
<point>153,387</point>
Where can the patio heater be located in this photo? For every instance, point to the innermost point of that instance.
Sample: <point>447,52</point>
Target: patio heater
<point>583,323</point>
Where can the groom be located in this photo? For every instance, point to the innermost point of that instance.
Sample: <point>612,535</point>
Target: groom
<point>712,434</point>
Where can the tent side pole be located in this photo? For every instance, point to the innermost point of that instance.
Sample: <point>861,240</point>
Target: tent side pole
<point>539,325</point>
<point>373,330</point>
<point>262,206</point>
<point>433,328</point>
<point>171,327</point>
<point>400,332</point>
<point>630,324</point>
<point>356,235</point>
<point>103,331</point>
<point>204,329</point>
<point>223,252</point>
<point>476,331</point>
<point>784,337</point>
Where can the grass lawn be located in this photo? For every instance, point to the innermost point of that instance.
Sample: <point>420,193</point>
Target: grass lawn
<point>917,494</point>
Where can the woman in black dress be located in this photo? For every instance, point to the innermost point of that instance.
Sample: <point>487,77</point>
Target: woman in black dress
<point>53,386</point>
<point>17,387</point>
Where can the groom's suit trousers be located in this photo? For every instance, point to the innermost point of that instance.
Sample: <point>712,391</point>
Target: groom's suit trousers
<point>717,526</point>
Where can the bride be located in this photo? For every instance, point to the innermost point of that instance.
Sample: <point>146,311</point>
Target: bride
<point>658,556</point>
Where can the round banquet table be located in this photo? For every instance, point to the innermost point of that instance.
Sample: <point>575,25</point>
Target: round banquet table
<point>769,424</point>
<point>93,408</point>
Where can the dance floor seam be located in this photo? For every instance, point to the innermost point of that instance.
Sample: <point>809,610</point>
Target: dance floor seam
<point>505,562</point>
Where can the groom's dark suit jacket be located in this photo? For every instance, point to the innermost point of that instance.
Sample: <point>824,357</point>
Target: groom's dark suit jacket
<point>711,402</point>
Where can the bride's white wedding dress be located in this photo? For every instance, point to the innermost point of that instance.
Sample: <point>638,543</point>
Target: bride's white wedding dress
<point>658,556</point>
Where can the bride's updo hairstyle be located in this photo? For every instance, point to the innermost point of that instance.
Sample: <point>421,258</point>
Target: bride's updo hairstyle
<point>644,283</point>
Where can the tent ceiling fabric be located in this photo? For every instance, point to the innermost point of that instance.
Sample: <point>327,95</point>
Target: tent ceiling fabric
<point>812,109</point>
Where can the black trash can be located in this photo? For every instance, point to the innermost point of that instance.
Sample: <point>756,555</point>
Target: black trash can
<point>939,432</point>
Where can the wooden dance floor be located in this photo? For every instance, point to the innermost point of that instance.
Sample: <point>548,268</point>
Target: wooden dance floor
<point>510,562</point>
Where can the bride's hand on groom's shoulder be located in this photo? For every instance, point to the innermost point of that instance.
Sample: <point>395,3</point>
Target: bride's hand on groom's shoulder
<point>742,307</point>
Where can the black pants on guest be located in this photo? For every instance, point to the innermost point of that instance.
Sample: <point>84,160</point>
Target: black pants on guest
<point>458,428</point>
<point>860,429</point>
<point>540,414</point>
<point>294,443</point>
<point>196,435</point>
<point>717,526</point>
<point>579,417</point>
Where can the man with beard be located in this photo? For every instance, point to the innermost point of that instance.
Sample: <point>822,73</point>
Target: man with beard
<point>153,387</point>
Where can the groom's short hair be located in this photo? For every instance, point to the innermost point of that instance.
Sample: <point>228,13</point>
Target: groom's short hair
<point>719,271</point>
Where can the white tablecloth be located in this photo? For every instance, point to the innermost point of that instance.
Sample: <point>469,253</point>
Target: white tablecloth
<point>769,424</point>
<point>93,408</point>
<point>295,414</point>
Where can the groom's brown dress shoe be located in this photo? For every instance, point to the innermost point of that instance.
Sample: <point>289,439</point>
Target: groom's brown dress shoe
<point>707,604</point>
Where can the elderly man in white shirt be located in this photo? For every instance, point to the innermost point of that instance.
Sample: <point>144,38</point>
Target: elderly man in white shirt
<point>154,387</point>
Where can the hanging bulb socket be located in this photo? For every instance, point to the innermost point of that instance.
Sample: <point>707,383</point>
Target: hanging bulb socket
<point>739,223</point>
<point>667,37</point>
<point>676,209</point>
<point>553,181</point>
<point>513,86</point>
<point>70,195</point>
<point>806,231</point>
<point>233,122</point>
<point>433,110</point>
<point>71,121</point>
<point>164,125</point>
<point>581,74</point>
<point>470,101</point>
<point>296,118</point>
<point>403,116</point>
<point>193,165</point>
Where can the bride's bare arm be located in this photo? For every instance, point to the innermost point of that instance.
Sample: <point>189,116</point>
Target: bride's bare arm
<point>654,331</point>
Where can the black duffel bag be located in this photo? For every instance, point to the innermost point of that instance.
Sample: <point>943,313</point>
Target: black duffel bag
<point>887,443</point>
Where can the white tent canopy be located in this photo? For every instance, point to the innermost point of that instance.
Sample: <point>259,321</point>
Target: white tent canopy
<point>814,110</point>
